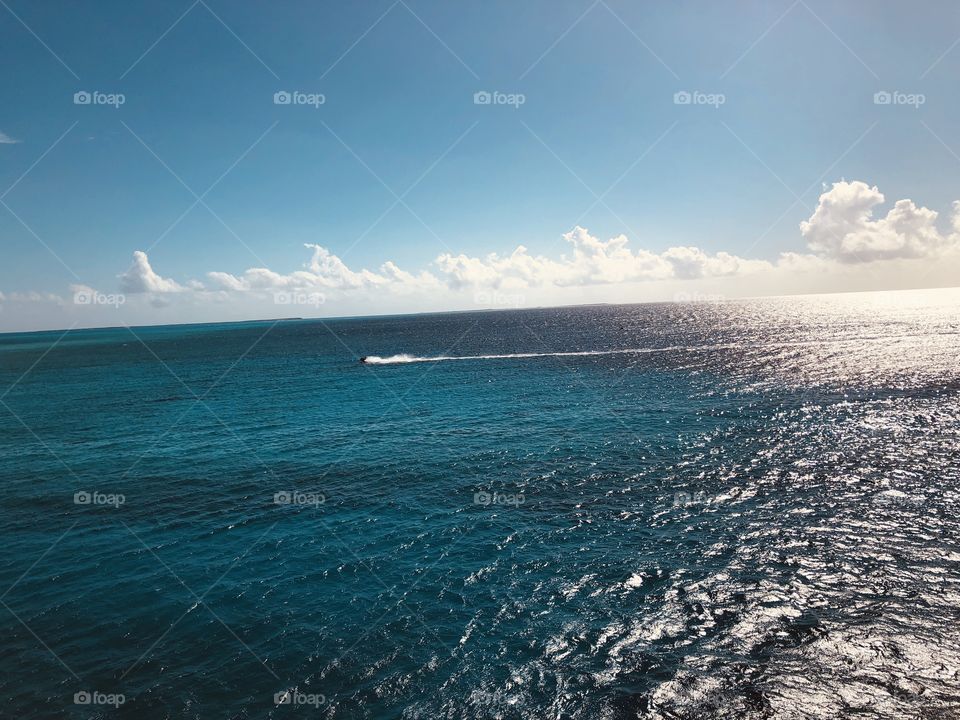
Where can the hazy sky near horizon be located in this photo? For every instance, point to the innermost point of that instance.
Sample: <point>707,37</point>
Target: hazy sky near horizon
<point>185,161</point>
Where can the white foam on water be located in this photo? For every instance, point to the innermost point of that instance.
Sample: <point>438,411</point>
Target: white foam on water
<point>391,359</point>
<point>405,358</point>
<point>855,341</point>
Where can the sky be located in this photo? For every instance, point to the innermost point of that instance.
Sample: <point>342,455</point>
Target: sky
<point>205,160</point>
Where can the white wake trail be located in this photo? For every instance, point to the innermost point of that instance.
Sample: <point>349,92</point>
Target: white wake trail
<point>854,341</point>
<point>404,358</point>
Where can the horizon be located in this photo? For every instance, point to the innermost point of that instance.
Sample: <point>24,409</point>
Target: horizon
<point>716,300</point>
<point>214,163</point>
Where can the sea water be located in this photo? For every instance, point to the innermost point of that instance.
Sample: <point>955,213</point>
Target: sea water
<point>703,510</point>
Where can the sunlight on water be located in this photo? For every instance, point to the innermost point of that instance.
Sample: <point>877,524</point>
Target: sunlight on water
<point>744,509</point>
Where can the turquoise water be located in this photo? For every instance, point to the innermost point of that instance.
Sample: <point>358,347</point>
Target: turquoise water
<point>745,509</point>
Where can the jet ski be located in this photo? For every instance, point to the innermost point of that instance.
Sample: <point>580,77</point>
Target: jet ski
<point>363,359</point>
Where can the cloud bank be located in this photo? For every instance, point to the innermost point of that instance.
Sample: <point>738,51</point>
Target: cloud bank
<point>592,262</point>
<point>850,244</point>
<point>325,271</point>
<point>842,230</point>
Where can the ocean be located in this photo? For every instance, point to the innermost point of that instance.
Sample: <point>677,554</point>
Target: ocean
<point>741,509</point>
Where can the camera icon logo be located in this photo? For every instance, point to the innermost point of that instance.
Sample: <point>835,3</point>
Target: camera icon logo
<point>882,98</point>
<point>82,97</point>
<point>482,98</point>
<point>82,297</point>
<point>82,497</point>
<point>481,498</point>
<point>282,97</point>
<point>82,698</point>
<point>282,698</point>
<point>284,497</point>
<point>682,98</point>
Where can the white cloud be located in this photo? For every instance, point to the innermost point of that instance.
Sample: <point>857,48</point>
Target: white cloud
<point>324,271</point>
<point>841,234</point>
<point>841,231</point>
<point>141,278</point>
<point>594,262</point>
<point>78,289</point>
<point>6,139</point>
<point>843,227</point>
<point>31,297</point>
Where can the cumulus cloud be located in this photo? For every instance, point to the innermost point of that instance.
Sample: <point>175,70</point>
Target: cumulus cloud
<point>141,278</point>
<point>593,262</point>
<point>6,139</point>
<point>843,231</point>
<point>324,271</point>
<point>843,227</point>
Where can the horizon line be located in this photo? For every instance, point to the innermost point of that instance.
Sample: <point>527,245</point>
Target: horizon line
<point>723,300</point>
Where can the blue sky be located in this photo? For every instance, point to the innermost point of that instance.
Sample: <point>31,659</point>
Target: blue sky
<point>598,80</point>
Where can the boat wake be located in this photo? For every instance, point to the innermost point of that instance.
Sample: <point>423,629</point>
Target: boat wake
<point>405,358</point>
<point>846,341</point>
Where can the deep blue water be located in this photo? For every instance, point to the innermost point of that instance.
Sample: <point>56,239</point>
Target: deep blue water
<point>747,509</point>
